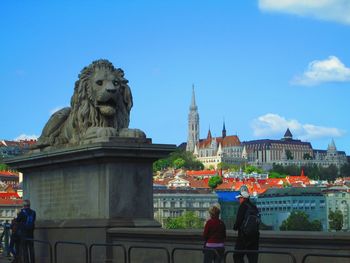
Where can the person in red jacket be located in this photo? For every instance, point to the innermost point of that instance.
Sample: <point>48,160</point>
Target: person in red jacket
<point>214,235</point>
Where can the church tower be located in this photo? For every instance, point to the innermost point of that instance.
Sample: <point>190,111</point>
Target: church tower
<point>193,124</point>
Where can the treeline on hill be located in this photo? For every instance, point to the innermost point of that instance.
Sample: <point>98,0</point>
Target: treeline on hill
<point>3,167</point>
<point>314,172</point>
<point>178,159</point>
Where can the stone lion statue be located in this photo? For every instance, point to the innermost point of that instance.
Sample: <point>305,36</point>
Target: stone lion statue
<point>100,107</point>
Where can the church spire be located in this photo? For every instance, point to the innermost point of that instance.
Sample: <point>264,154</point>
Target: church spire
<point>224,131</point>
<point>193,124</point>
<point>209,137</point>
<point>193,106</point>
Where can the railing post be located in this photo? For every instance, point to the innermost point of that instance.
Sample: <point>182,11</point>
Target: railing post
<point>106,245</point>
<point>71,243</point>
<point>146,247</point>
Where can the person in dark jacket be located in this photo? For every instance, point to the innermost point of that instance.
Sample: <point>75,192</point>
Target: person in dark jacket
<point>245,242</point>
<point>26,224</point>
<point>214,235</point>
<point>15,239</point>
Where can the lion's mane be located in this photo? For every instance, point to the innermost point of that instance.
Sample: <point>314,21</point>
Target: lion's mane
<point>84,111</point>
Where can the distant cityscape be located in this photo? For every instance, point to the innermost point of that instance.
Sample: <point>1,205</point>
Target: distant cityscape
<point>179,190</point>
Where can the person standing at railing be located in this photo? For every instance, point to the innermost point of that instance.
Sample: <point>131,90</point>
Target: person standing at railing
<point>15,239</point>
<point>247,224</point>
<point>6,237</point>
<point>26,222</point>
<point>214,235</point>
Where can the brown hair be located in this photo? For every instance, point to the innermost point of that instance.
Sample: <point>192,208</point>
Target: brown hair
<point>214,211</point>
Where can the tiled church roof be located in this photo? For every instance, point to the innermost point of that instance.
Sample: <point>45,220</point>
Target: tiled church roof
<point>227,141</point>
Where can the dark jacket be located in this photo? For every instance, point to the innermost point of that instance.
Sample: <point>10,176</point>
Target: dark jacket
<point>26,231</point>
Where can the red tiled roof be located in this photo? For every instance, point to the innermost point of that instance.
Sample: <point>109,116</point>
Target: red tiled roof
<point>227,141</point>
<point>9,195</point>
<point>11,201</point>
<point>195,183</point>
<point>8,173</point>
<point>201,173</point>
<point>298,179</point>
<point>20,143</point>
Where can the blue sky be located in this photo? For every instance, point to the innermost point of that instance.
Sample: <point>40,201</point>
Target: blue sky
<point>261,66</point>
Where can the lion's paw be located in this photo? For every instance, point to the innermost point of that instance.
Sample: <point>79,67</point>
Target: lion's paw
<point>132,133</point>
<point>100,132</point>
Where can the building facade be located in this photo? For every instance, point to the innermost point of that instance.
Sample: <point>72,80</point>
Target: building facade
<point>338,198</point>
<point>214,150</point>
<point>276,204</point>
<point>288,151</point>
<point>174,203</point>
<point>211,150</point>
<point>260,152</point>
<point>14,148</point>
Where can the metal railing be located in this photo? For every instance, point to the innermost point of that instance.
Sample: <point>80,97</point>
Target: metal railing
<point>43,242</point>
<point>106,245</point>
<point>148,247</point>
<point>71,243</point>
<point>324,255</point>
<point>274,252</point>
<point>170,259</point>
<point>190,249</point>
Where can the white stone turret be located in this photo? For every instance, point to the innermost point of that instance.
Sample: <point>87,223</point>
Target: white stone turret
<point>193,124</point>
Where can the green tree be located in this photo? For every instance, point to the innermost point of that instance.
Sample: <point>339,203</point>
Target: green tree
<point>211,167</point>
<point>329,173</point>
<point>214,181</point>
<point>191,163</point>
<point>335,220</point>
<point>312,171</point>
<point>188,220</point>
<point>299,221</point>
<point>161,164</point>
<point>3,167</point>
<point>307,156</point>
<point>173,223</point>
<point>228,166</point>
<point>251,169</point>
<point>179,163</point>
<point>276,175</point>
<point>345,170</point>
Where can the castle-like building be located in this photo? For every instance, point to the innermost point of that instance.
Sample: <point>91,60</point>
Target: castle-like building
<point>288,151</point>
<point>212,150</point>
<point>264,153</point>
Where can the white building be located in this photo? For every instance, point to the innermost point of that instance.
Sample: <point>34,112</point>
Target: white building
<point>173,203</point>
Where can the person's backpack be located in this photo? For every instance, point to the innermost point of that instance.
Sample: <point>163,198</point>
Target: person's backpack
<point>251,221</point>
<point>29,222</point>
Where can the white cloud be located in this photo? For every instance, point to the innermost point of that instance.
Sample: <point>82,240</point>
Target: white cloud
<point>332,10</point>
<point>321,71</point>
<point>26,137</point>
<point>272,125</point>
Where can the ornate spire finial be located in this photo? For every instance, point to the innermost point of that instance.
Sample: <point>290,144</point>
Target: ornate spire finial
<point>223,130</point>
<point>193,100</point>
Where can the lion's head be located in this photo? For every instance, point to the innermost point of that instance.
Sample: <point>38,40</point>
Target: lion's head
<point>102,97</point>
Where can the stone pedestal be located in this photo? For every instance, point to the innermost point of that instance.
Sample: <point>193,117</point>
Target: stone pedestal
<point>80,192</point>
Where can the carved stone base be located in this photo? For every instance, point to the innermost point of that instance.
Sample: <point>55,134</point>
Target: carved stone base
<point>90,188</point>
